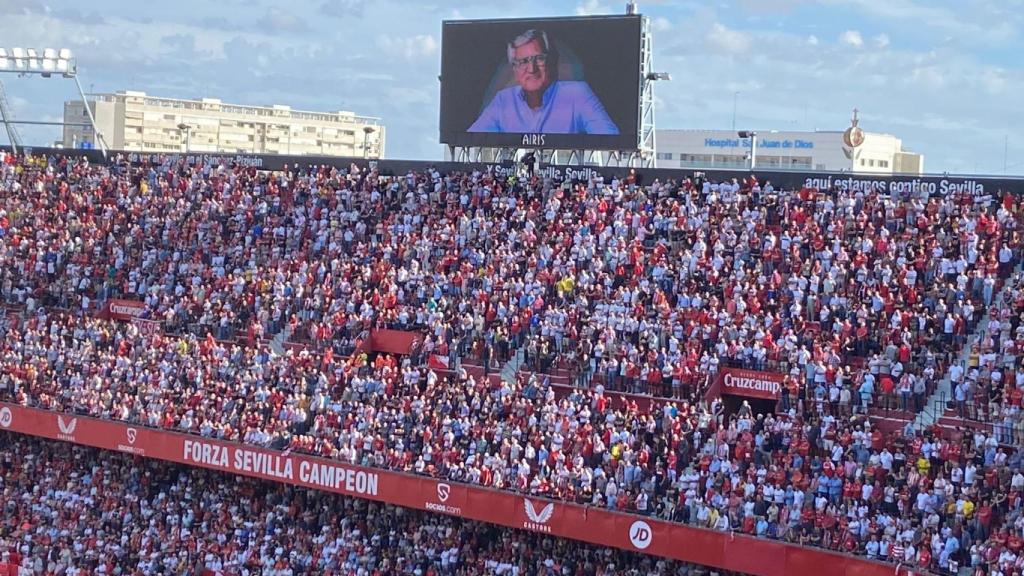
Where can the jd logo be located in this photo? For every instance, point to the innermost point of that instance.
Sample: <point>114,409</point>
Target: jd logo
<point>640,535</point>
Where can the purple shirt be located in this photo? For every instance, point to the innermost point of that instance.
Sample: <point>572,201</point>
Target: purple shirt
<point>568,107</point>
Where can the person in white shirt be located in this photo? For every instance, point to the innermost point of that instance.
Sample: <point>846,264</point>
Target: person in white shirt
<point>885,458</point>
<point>970,474</point>
<point>1017,482</point>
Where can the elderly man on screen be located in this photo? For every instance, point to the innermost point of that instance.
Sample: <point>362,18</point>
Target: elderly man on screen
<point>540,103</point>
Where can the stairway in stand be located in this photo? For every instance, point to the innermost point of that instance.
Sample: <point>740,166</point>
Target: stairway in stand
<point>936,410</point>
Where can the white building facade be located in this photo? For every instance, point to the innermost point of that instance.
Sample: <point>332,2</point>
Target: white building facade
<point>135,121</point>
<point>805,151</point>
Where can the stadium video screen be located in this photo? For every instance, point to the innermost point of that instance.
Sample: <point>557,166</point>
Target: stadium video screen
<point>556,83</point>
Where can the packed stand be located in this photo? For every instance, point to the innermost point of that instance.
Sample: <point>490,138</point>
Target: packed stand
<point>639,288</point>
<point>813,479</point>
<point>486,267</point>
<point>72,511</point>
<point>856,295</point>
<point>987,386</point>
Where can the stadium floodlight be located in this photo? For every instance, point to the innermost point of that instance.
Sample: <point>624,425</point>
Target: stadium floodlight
<point>49,62</point>
<point>46,63</point>
<point>32,58</point>
<point>659,76</point>
<point>18,57</point>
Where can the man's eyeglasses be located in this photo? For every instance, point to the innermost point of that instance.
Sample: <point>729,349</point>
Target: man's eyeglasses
<point>539,59</point>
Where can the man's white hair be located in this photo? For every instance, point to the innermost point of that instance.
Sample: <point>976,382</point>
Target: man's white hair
<point>525,38</point>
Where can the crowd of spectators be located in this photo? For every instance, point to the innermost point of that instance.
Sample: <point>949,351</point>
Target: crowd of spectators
<point>641,288</point>
<point>72,511</point>
<point>813,283</point>
<point>810,478</point>
<point>684,276</point>
<point>987,386</point>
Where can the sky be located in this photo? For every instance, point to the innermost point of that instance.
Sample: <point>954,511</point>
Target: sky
<point>943,75</point>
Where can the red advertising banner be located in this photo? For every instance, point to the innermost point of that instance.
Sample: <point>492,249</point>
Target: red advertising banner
<point>751,383</point>
<point>730,552</point>
<point>394,341</point>
<point>438,362</point>
<point>124,309</point>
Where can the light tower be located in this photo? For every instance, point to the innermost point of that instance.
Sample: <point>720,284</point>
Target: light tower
<point>45,63</point>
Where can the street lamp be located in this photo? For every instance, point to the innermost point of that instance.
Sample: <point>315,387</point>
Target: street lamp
<point>753,145</point>
<point>46,63</point>
<point>184,128</point>
<point>367,130</point>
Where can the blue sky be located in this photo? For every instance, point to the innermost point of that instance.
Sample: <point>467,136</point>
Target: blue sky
<point>944,75</point>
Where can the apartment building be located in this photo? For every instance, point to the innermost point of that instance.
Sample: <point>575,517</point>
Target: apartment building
<point>139,122</point>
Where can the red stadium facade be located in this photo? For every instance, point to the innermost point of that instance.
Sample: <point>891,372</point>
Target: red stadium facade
<point>726,551</point>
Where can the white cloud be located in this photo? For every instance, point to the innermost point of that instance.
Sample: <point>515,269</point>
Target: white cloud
<point>993,80</point>
<point>278,20</point>
<point>727,40</point>
<point>661,24</point>
<point>929,77</point>
<point>590,7</point>
<point>928,14</point>
<point>882,41</point>
<point>412,47</point>
<point>19,105</point>
<point>346,9</point>
<point>815,80</point>
<point>771,6</point>
<point>851,38</point>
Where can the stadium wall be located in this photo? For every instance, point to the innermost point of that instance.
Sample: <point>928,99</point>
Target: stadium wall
<point>727,551</point>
